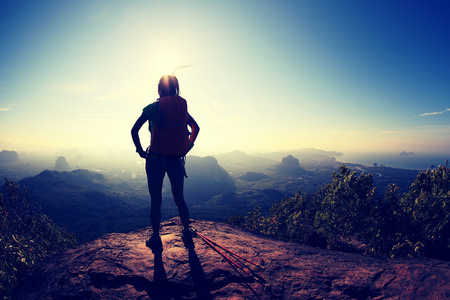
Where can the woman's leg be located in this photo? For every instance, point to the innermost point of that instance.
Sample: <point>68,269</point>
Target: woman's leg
<point>155,177</point>
<point>175,171</point>
<point>155,189</point>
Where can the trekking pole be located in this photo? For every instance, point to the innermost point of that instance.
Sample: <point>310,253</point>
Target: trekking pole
<point>228,250</point>
<point>223,254</point>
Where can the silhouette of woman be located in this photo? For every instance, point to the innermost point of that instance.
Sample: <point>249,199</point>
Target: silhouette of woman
<point>158,163</point>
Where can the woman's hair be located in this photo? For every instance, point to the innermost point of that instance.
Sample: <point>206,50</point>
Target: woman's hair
<point>168,86</point>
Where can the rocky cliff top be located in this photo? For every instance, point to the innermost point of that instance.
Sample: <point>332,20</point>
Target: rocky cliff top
<point>120,266</point>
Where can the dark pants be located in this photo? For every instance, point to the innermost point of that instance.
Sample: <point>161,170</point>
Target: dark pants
<point>156,168</point>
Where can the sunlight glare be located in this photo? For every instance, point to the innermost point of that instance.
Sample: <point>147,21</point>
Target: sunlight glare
<point>168,61</point>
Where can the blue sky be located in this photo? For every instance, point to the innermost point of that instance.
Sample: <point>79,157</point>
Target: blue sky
<point>348,76</point>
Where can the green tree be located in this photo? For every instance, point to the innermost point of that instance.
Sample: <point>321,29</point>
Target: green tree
<point>291,220</point>
<point>344,207</point>
<point>388,223</point>
<point>26,236</point>
<point>236,220</point>
<point>414,224</point>
<point>427,210</point>
<point>255,221</point>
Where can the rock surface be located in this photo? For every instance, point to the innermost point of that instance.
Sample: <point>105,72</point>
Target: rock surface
<point>120,266</point>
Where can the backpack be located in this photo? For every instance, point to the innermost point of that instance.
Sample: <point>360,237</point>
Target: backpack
<point>170,135</point>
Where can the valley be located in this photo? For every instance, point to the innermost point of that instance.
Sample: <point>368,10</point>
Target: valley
<point>94,201</point>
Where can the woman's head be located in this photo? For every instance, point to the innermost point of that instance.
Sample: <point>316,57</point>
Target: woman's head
<point>168,86</point>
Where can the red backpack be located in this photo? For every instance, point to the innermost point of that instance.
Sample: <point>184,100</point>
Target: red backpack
<point>170,135</point>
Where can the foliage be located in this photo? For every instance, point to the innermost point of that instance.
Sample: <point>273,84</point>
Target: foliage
<point>427,209</point>
<point>236,220</point>
<point>388,222</point>
<point>255,221</point>
<point>345,206</point>
<point>291,220</point>
<point>26,235</point>
<point>347,212</point>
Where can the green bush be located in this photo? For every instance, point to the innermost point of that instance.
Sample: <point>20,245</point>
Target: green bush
<point>26,236</point>
<point>344,208</point>
<point>388,222</point>
<point>427,209</point>
<point>289,220</point>
<point>254,221</point>
<point>346,211</point>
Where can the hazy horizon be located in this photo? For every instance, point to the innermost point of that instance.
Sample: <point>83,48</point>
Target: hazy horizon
<point>263,76</point>
<point>117,157</point>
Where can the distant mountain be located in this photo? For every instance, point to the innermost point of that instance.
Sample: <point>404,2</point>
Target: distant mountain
<point>235,156</point>
<point>70,153</point>
<point>290,166</point>
<point>61,164</point>
<point>8,156</point>
<point>253,176</point>
<point>317,164</point>
<point>89,205</point>
<point>404,153</point>
<point>305,154</point>
<point>82,202</point>
<point>206,178</point>
<point>240,161</point>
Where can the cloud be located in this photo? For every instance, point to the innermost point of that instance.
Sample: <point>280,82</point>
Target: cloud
<point>434,113</point>
<point>4,109</point>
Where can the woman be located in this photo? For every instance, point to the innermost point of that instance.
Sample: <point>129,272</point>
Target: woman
<point>170,141</point>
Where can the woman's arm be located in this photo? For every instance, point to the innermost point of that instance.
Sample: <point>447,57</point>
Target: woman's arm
<point>135,134</point>
<point>195,128</point>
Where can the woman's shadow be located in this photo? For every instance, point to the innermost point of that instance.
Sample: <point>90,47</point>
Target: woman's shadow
<point>163,289</point>
<point>201,284</point>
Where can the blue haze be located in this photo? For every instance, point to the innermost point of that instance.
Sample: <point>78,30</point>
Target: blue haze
<point>413,161</point>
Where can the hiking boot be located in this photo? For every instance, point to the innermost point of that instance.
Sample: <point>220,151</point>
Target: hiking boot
<point>187,239</point>
<point>154,243</point>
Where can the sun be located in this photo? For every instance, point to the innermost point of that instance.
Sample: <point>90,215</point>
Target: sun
<point>167,60</point>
